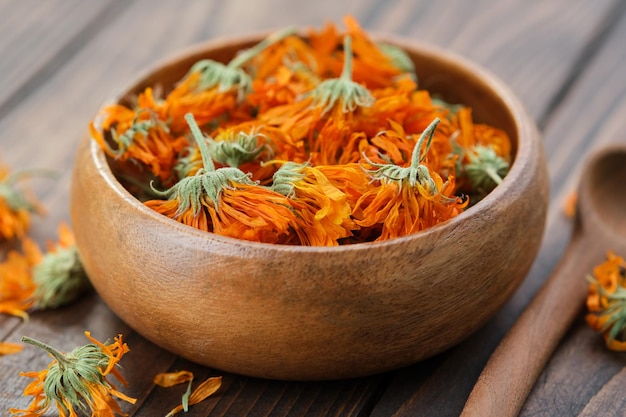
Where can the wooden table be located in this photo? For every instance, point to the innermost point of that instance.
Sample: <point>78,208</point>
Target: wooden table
<point>565,59</point>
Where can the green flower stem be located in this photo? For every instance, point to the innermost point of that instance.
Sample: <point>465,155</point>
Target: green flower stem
<point>415,173</point>
<point>342,89</point>
<point>346,72</point>
<point>185,398</point>
<point>199,138</point>
<point>493,175</point>
<point>60,357</point>
<point>428,133</point>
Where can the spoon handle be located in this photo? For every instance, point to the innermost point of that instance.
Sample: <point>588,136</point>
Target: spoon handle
<point>513,368</point>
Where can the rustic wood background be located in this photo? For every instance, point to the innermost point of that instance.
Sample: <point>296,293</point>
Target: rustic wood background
<point>566,59</point>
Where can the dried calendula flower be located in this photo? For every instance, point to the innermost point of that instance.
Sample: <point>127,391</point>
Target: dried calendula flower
<point>234,147</point>
<point>606,301</point>
<point>225,201</point>
<point>322,210</point>
<point>31,280</point>
<point>15,206</point>
<point>7,348</point>
<point>417,173</point>
<point>139,136</point>
<point>77,380</point>
<point>59,277</point>
<point>485,168</point>
<point>224,77</point>
<point>16,283</point>
<point>343,91</point>
<point>407,199</point>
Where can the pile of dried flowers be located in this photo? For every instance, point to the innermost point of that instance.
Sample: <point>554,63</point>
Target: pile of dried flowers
<point>323,140</point>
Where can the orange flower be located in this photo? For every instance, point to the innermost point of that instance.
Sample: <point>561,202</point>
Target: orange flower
<point>16,283</point>
<point>322,210</point>
<point>400,210</point>
<point>299,120</point>
<point>77,380</point>
<point>15,206</point>
<point>140,136</point>
<point>606,301</point>
<point>212,89</point>
<point>225,201</point>
<point>407,199</point>
<point>30,280</point>
<point>205,105</point>
<point>59,275</point>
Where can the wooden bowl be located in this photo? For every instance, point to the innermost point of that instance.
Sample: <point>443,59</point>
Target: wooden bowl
<point>309,313</point>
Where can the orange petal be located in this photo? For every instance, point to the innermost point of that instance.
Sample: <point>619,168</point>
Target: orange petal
<point>201,393</point>
<point>569,205</point>
<point>169,379</point>
<point>7,348</point>
<point>615,345</point>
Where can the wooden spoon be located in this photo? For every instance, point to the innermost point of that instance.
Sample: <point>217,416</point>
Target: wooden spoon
<point>600,226</point>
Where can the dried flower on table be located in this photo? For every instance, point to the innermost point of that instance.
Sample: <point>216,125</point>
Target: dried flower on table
<point>78,380</point>
<point>16,206</point>
<point>312,108</point>
<point>59,277</point>
<point>606,301</point>
<point>16,283</point>
<point>30,280</point>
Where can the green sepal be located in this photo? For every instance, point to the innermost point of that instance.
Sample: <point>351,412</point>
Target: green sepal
<point>60,278</point>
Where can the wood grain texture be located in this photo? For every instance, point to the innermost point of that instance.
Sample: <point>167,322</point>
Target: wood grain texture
<point>599,96</point>
<point>36,41</point>
<point>536,47</point>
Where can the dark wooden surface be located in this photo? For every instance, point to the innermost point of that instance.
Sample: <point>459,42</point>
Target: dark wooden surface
<point>566,59</point>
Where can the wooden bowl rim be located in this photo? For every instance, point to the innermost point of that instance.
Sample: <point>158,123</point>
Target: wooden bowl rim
<point>525,128</point>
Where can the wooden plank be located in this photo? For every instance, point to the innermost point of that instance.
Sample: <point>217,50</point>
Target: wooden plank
<point>610,401</point>
<point>446,389</point>
<point>599,96</point>
<point>531,46</point>
<point>37,37</point>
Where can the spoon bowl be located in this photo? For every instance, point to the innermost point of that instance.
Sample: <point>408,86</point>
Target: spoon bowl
<point>602,202</point>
